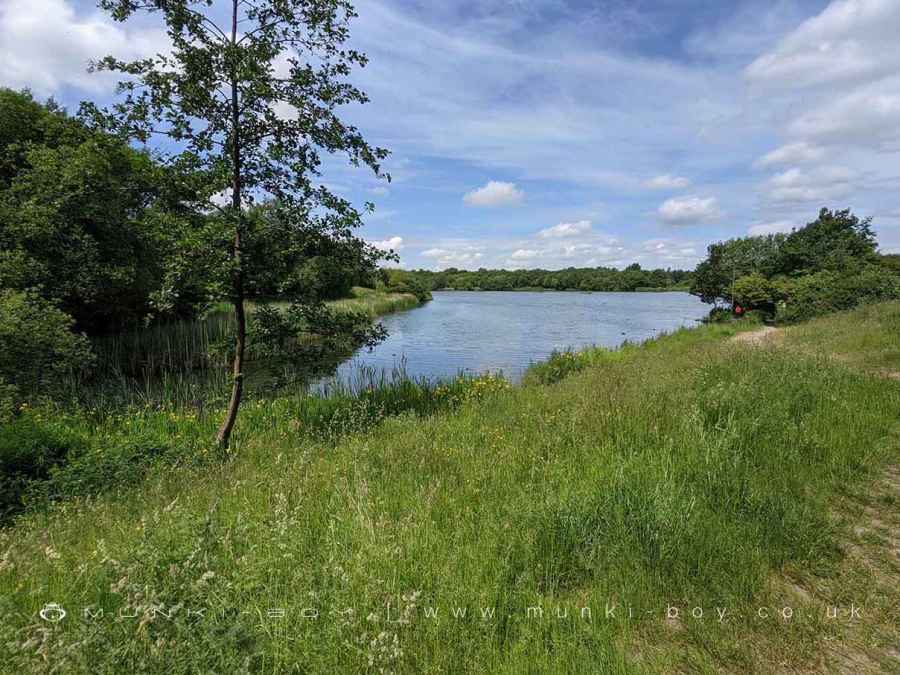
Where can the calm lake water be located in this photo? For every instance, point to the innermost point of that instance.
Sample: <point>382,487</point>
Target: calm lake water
<point>478,332</point>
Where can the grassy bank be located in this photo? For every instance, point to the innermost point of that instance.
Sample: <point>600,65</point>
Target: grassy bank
<point>375,303</point>
<point>681,474</point>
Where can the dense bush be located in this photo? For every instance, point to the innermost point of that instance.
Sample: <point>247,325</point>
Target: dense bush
<point>401,281</point>
<point>37,345</point>
<point>754,291</point>
<point>29,450</point>
<point>105,463</point>
<point>560,365</point>
<point>826,292</point>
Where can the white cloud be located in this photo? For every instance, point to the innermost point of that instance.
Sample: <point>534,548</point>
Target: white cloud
<point>463,255</point>
<point>495,193</point>
<point>688,210</point>
<point>667,182</point>
<point>393,244</point>
<point>576,229</point>
<point>816,185</point>
<point>868,117</point>
<point>45,46</point>
<point>771,228</point>
<point>524,254</point>
<point>379,191</point>
<point>832,90</point>
<point>792,153</point>
<point>850,40</point>
<point>668,252</point>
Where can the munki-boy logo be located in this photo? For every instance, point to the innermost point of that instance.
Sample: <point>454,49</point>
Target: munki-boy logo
<point>52,612</point>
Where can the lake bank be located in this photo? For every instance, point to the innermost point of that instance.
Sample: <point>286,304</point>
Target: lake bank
<point>651,477</point>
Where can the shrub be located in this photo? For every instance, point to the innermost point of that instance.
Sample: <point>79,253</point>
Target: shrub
<point>720,315</point>
<point>825,292</point>
<point>29,451</point>
<point>37,345</point>
<point>754,291</point>
<point>556,368</point>
<point>106,463</point>
<point>9,401</point>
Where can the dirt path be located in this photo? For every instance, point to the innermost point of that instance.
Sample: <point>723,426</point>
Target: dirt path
<point>764,335</point>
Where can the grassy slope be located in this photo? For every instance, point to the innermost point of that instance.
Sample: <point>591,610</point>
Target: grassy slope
<point>375,303</point>
<point>684,473</point>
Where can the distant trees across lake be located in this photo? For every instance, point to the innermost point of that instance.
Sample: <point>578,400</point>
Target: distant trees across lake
<point>632,278</point>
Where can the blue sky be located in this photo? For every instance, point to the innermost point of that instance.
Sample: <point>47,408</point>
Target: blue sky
<point>538,133</point>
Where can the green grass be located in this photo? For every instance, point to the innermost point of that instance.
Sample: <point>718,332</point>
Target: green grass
<point>376,303</point>
<point>868,338</point>
<point>685,472</point>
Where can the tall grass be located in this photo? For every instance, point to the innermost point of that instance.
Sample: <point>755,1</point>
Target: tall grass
<point>680,474</point>
<point>374,303</point>
<point>185,362</point>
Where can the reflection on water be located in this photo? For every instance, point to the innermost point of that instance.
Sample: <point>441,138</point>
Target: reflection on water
<point>475,332</point>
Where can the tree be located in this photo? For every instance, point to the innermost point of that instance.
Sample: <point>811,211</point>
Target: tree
<point>835,241</point>
<point>754,291</point>
<point>729,260</point>
<point>250,108</point>
<point>83,217</point>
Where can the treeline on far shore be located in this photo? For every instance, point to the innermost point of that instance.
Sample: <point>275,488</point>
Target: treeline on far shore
<point>632,278</point>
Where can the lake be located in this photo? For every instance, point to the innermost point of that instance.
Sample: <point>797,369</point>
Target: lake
<point>505,331</point>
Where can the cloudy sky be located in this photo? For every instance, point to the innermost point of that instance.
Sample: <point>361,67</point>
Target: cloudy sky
<point>556,133</point>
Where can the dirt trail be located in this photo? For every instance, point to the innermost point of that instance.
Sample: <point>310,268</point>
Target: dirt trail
<point>764,335</point>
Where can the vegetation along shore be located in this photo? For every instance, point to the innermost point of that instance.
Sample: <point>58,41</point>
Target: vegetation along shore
<point>651,477</point>
<point>200,472</point>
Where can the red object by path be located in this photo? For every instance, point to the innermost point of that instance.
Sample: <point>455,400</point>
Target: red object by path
<point>738,310</point>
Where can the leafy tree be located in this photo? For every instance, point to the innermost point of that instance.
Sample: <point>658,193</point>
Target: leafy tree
<point>729,260</point>
<point>754,291</point>
<point>250,107</point>
<point>83,217</point>
<point>829,265</point>
<point>836,241</point>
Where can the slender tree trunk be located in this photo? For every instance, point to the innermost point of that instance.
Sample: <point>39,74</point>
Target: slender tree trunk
<point>240,318</point>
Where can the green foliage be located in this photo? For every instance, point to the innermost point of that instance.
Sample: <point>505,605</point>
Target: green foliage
<point>561,364</point>
<point>829,265</point>
<point>402,281</point>
<point>837,241</point>
<point>103,464</point>
<point>727,261</point>
<point>753,291</point>
<point>30,447</point>
<point>84,218</point>
<point>891,262</point>
<point>579,279</point>
<point>37,345</point>
<point>831,291</point>
<point>558,366</point>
